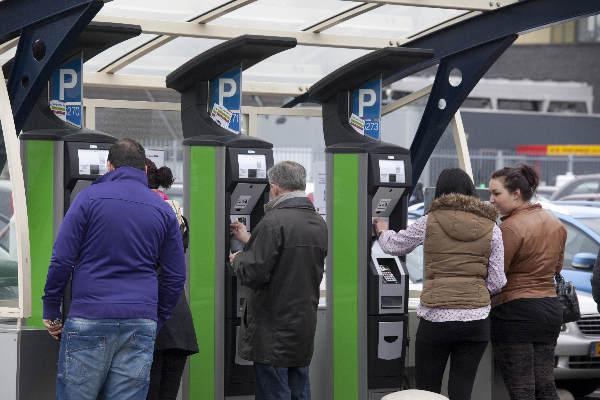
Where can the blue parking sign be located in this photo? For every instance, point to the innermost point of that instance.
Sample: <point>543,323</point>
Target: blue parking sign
<point>67,92</point>
<point>366,103</point>
<point>226,91</point>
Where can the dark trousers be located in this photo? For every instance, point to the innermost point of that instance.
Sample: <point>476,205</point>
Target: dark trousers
<point>526,369</point>
<point>165,374</point>
<point>279,383</point>
<point>463,342</point>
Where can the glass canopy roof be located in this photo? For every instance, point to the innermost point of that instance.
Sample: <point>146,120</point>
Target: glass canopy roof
<point>330,33</point>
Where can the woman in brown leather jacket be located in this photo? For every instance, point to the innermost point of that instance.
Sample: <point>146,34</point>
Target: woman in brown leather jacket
<point>526,315</point>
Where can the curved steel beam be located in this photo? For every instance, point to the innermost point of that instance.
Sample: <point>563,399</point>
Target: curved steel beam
<point>516,18</point>
<point>29,74</point>
<point>17,14</point>
<point>58,24</point>
<point>445,98</point>
<point>474,45</point>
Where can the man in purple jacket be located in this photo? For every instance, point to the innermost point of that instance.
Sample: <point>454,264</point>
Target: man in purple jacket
<point>115,235</point>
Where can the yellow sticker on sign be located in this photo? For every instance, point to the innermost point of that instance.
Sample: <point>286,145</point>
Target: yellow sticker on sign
<point>575,149</point>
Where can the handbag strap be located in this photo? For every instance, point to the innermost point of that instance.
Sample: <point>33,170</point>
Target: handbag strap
<point>558,277</point>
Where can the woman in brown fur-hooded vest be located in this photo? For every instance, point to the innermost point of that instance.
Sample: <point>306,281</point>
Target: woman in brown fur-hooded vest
<point>464,264</point>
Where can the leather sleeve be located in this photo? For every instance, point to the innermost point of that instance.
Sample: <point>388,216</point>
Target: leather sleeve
<point>512,245</point>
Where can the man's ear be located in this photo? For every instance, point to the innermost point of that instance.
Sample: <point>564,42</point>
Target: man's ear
<point>146,169</point>
<point>276,189</point>
<point>110,166</point>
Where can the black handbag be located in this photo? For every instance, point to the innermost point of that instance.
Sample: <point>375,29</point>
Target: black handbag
<point>565,290</point>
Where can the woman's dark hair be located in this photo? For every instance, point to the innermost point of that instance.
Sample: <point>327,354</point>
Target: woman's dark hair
<point>127,153</point>
<point>454,180</point>
<point>159,176</point>
<point>521,177</point>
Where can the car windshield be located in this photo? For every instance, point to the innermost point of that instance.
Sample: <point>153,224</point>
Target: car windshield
<point>592,223</point>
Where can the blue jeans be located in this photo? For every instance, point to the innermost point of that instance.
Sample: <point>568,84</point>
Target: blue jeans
<point>108,356</point>
<point>279,383</point>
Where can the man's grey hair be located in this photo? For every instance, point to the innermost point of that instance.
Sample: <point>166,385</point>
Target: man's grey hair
<point>288,175</point>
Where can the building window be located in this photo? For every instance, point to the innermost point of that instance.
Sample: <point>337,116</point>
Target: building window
<point>588,29</point>
<point>519,105</point>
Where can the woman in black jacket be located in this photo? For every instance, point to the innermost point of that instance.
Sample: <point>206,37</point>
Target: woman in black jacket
<point>176,340</point>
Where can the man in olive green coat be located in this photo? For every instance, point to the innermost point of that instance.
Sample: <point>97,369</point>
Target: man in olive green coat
<point>282,265</point>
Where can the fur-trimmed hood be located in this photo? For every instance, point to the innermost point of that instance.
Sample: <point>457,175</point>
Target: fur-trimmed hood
<point>451,212</point>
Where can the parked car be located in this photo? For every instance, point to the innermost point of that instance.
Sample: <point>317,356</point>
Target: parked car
<point>581,185</point>
<point>545,192</point>
<point>416,210</point>
<point>583,241</point>
<point>591,197</point>
<point>575,368</point>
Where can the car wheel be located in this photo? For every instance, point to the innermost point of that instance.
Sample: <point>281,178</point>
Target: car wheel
<point>579,387</point>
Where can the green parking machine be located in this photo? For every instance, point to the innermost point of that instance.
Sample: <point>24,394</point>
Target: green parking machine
<point>224,180</point>
<point>60,158</point>
<point>367,290</point>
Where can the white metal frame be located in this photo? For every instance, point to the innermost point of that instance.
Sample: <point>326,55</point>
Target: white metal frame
<point>20,206</point>
<point>103,79</point>
<point>460,141</point>
<point>159,41</point>
<point>341,17</point>
<point>479,5</point>
<point>190,29</point>
<point>252,113</point>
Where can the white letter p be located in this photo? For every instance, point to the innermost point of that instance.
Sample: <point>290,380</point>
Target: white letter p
<point>66,85</point>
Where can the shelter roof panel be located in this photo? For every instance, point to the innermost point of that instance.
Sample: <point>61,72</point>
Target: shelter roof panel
<point>172,10</point>
<point>303,64</point>
<point>116,52</point>
<point>394,20</point>
<point>284,14</point>
<point>169,57</point>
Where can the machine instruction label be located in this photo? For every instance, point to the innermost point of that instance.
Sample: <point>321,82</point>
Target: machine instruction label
<point>357,123</point>
<point>383,205</point>
<point>92,162</point>
<point>222,116</point>
<point>252,166</point>
<point>391,171</point>
<point>242,202</point>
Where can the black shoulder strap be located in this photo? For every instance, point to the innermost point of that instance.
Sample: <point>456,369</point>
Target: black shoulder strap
<point>185,234</point>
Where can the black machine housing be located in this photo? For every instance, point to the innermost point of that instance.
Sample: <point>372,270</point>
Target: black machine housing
<point>387,281</point>
<point>245,199</point>
<point>246,189</point>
